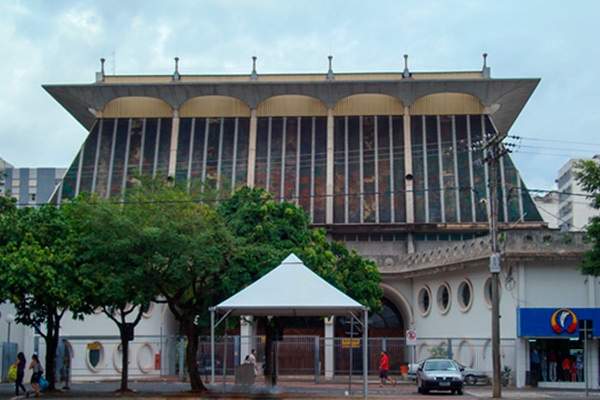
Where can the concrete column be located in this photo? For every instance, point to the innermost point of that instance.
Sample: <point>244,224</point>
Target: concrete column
<point>246,336</point>
<point>522,361</point>
<point>330,172</point>
<point>174,140</point>
<point>408,180</point>
<point>329,339</point>
<point>252,148</point>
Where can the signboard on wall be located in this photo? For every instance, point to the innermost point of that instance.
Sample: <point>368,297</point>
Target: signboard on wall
<point>555,322</point>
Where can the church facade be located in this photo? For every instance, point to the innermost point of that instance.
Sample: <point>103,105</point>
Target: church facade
<point>393,164</point>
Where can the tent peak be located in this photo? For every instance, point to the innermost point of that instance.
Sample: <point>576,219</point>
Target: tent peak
<point>292,259</point>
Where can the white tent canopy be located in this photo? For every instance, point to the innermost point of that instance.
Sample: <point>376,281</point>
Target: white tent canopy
<point>292,289</point>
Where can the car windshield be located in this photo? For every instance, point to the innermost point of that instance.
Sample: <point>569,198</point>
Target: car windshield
<point>440,365</point>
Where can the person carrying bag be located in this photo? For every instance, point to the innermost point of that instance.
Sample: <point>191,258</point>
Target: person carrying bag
<point>38,371</point>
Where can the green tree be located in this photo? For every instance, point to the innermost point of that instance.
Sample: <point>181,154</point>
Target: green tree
<point>183,246</point>
<point>112,252</point>
<point>38,272</point>
<point>587,173</point>
<point>266,232</point>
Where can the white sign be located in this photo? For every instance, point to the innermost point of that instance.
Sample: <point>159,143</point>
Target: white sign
<point>411,337</point>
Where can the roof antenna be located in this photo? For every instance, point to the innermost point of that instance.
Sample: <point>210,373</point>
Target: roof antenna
<point>254,75</point>
<point>100,75</point>
<point>405,73</point>
<point>330,75</point>
<point>487,73</point>
<point>176,76</point>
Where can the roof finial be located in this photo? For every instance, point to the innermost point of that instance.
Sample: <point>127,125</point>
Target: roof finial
<point>406,72</point>
<point>176,75</point>
<point>330,75</point>
<point>254,75</point>
<point>486,70</point>
<point>100,75</point>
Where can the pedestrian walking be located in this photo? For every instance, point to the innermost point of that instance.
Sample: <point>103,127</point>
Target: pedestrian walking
<point>384,370</point>
<point>38,371</point>
<point>20,365</point>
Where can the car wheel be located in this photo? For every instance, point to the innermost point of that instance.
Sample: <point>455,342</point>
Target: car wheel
<point>470,380</point>
<point>425,391</point>
<point>460,392</point>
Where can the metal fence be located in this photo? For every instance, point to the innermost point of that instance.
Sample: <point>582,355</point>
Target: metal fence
<point>99,358</point>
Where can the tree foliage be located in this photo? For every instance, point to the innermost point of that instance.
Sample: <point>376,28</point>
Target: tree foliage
<point>587,173</point>
<point>38,271</point>
<point>267,232</point>
<point>112,253</point>
<point>184,246</point>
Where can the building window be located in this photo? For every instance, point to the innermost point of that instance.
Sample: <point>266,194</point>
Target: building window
<point>32,197</point>
<point>32,182</point>
<point>487,291</point>
<point>443,298</point>
<point>148,310</point>
<point>424,300</point>
<point>465,295</point>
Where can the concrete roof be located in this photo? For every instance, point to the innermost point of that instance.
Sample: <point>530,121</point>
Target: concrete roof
<point>291,289</point>
<point>504,97</point>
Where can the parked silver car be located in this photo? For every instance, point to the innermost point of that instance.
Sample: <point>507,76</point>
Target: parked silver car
<point>440,374</point>
<point>471,376</point>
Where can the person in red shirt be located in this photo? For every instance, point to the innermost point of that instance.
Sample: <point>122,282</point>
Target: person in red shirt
<point>384,369</point>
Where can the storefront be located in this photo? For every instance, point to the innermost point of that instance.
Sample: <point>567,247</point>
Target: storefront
<point>560,344</point>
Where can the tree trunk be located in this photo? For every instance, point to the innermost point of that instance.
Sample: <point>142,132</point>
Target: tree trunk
<point>51,347</point>
<point>191,352</point>
<point>124,330</point>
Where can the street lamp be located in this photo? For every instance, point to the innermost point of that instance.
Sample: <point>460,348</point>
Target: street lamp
<point>9,320</point>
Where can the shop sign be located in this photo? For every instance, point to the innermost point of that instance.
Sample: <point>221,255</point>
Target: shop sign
<point>564,320</point>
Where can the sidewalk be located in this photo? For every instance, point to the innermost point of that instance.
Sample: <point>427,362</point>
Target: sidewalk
<point>286,389</point>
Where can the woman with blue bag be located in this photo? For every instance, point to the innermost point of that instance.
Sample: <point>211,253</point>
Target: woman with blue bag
<point>37,374</point>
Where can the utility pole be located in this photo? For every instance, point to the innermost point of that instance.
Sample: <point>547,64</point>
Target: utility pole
<point>494,152</point>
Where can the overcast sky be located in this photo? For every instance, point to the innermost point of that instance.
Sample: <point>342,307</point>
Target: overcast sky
<point>52,42</point>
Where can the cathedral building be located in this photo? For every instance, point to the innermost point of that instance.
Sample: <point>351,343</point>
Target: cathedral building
<point>394,164</point>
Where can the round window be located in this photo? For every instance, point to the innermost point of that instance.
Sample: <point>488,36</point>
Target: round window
<point>465,295</point>
<point>443,298</point>
<point>487,291</point>
<point>424,300</point>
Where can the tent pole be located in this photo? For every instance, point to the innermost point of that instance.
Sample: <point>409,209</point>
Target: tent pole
<point>212,346</point>
<point>366,353</point>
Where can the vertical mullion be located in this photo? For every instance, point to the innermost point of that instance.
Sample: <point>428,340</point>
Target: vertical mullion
<point>126,161</point>
<point>156,147</point>
<point>441,169</point>
<point>361,169</point>
<point>234,160</point>
<point>282,175</point>
<point>220,153</point>
<point>96,161</point>
<point>425,167</point>
<point>112,157</point>
<point>191,152</point>
<point>392,172</point>
<point>376,160</point>
<point>455,160</point>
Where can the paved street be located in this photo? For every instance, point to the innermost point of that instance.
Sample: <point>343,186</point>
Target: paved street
<point>171,389</point>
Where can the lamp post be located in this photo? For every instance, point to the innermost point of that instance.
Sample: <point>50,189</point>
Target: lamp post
<point>9,320</point>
